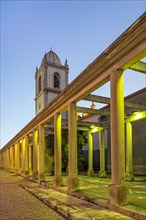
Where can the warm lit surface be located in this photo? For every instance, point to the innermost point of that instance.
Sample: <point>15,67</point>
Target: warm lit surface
<point>98,188</point>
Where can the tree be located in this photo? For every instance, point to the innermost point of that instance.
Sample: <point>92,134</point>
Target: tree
<point>81,141</point>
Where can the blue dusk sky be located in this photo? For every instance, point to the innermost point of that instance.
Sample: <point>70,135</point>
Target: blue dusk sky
<point>77,30</point>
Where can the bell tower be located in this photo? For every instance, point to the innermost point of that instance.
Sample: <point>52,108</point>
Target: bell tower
<point>51,78</point>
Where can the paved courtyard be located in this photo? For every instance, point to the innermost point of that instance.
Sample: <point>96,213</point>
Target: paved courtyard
<point>18,204</point>
<point>23,199</point>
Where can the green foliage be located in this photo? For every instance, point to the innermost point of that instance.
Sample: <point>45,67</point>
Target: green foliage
<point>81,141</point>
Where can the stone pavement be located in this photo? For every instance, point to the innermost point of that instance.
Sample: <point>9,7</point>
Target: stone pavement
<point>17,204</point>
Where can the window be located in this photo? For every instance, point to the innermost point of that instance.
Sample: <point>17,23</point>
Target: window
<point>39,83</point>
<point>56,80</point>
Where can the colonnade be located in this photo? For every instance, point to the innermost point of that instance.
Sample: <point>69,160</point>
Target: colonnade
<point>16,156</point>
<point>117,146</point>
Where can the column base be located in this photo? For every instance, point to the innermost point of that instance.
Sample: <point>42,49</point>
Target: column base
<point>22,172</point>
<point>18,172</point>
<point>73,183</point>
<point>90,172</point>
<point>129,176</point>
<point>57,181</point>
<point>34,175</point>
<point>26,172</point>
<point>102,173</point>
<point>41,177</point>
<point>118,194</point>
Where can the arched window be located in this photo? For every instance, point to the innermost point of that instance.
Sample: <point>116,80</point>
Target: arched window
<point>56,80</point>
<point>40,84</point>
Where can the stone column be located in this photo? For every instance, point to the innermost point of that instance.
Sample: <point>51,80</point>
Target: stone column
<point>90,154</point>
<point>35,155</point>
<point>8,158</point>
<point>129,164</point>
<point>26,171</point>
<point>118,191</point>
<point>41,155</point>
<point>1,160</point>
<point>23,156</point>
<point>102,172</point>
<point>73,182</point>
<point>57,150</point>
<point>4,161</point>
<point>5,156</point>
<point>30,157</point>
<point>15,146</point>
<point>11,158</point>
<point>14,157</point>
<point>18,156</point>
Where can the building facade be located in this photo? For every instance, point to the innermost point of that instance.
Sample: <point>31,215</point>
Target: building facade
<point>51,78</point>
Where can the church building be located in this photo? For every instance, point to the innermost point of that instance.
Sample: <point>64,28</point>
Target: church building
<point>51,78</point>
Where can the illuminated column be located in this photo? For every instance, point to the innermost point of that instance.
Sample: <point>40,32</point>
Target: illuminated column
<point>90,154</point>
<point>73,182</point>
<point>57,150</point>
<point>18,156</point>
<point>8,158</point>
<point>5,159</point>
<point>15,146</point>
<point>11,158</point>
<point>35,155</point>
<point>1,160</point>
<point>14,157</point>
<point>129,165</point>
<point>41,154</point>
<point>118,191</point>
<point>102,172</point>
<point>26,155</point>
<point>30,157</point>
<point>3,165</point>
<point>23,156</point>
